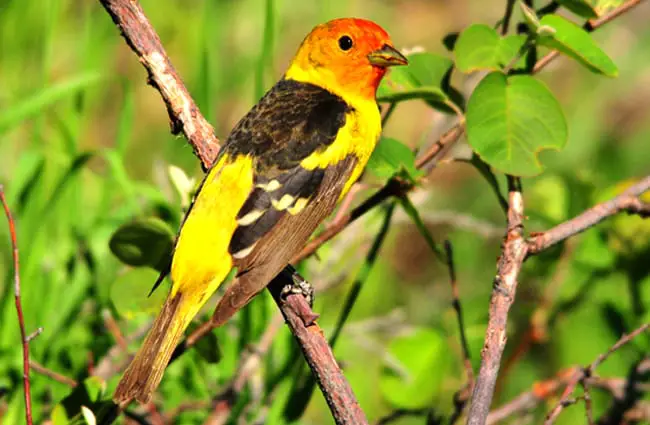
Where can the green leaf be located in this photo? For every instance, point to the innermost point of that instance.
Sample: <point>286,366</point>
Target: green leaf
<point>390,157</point>
<point>425,78</point>
<point>481,47</point>
<point>579,7</point>
<point>511,119</point>
<point>573,41</point>
<point>130,293</point>
<point>14,115</point>
<point>412,379</point>
<point>145,242</point>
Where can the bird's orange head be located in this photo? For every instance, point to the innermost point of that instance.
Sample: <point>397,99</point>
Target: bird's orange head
<point>347,56</point>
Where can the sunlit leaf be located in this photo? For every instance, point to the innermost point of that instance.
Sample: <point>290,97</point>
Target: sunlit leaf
<point>390,157</point>
<point>575,42</point>
<point>511,119</point>
<point>481,47</point>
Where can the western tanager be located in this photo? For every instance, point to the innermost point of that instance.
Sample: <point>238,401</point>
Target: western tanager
<point>278,176</point>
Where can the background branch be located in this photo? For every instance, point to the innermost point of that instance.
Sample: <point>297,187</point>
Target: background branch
<point>19,308</point>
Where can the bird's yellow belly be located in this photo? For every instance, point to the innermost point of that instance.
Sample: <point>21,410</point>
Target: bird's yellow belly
<point>201,258</point>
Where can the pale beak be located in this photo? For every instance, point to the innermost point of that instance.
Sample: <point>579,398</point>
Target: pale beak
<point>387,56</point>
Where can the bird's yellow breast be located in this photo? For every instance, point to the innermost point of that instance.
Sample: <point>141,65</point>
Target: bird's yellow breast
<point>362,127</point>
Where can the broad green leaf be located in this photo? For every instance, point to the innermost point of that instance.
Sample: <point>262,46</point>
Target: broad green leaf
<point>580,8</point>
<point>390,157</point>
<point>511,119</point>
<point>412,378</point>
<point>481,47</point>
<point>576,43</point>
<point>423,78</point>
<point>130,293</point>
<point>145,242</point>
<point>15,114</point>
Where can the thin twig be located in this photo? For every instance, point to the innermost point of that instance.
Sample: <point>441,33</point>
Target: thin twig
<point>19,307</point>
<point>582,373</point>
<point>503,295</point>
<point>626,201</point>
<point>58,377</point>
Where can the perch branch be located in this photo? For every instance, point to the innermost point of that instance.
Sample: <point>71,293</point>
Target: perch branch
<point>19,308</point>
<point>186,117</point>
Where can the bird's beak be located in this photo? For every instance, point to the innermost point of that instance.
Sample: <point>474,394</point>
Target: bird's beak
<point>387,56</point>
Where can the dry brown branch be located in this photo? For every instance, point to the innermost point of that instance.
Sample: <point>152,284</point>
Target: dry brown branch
<point>503,295</point>
<point>58,377</point>
<point>626,201</point>
<point>19,307</point>
<point>580,374</point>
<point>185,117</point>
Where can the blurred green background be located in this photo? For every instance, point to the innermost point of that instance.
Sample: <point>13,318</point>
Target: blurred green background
<point>85,147</point>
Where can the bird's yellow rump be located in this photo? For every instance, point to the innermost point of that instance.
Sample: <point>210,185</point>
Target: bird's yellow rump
<point>279,175</point>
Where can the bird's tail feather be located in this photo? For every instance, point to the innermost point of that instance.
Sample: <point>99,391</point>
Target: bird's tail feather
<point>145,372</point>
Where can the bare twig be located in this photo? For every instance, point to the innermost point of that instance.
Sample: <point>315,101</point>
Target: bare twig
<point>581,374</point>
<point>58,377</point>
<point>590,26</point>
<point>530,399</point>
<point>19,307</point>
<point>626,201</point>
<point>503,295</point>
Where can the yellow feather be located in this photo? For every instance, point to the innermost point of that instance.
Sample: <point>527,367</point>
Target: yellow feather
<point>358,136</point>
<point>201,259</point>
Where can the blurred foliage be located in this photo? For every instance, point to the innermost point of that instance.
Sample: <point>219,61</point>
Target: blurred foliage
<point>85,157</point>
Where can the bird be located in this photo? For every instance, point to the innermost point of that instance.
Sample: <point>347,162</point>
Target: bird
<point>281,172</point>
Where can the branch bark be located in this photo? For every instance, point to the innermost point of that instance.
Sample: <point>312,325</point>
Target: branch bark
<point>186,118</point>
<point>503,295</point>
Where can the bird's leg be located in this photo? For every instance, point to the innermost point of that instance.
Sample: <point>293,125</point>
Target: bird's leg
<point>294,284</point>
<point>299,286</point>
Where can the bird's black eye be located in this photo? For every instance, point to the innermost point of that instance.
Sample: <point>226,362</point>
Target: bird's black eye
<point>345,43</point>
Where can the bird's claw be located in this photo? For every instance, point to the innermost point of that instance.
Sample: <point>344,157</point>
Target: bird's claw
<point>299,286</point>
